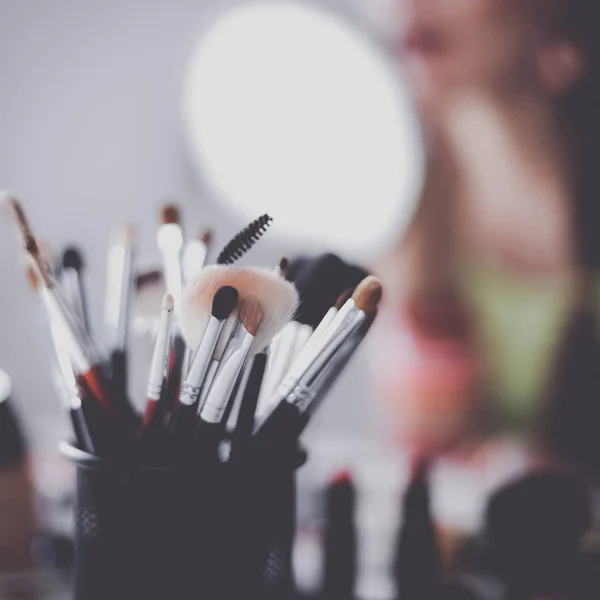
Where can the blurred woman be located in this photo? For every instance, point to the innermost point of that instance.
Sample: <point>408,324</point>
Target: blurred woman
<point>505,240</point>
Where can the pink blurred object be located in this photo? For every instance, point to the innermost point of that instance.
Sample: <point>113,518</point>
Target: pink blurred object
<point>426,371</point>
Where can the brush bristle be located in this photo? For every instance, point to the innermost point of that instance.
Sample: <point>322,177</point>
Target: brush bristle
<point>33,278</point>
<point>251,315</point>
<point>367,295</point>
<point>72,259</point>
<point>244,241</point>
<point>224,302</point>
<point>168,302</point>
<point>170,214</point>
<point>277,298</point>
<point>206,237</point>
<point>284,265</point>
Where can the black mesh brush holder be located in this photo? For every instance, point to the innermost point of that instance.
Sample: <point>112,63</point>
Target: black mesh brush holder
<point>219,532</point>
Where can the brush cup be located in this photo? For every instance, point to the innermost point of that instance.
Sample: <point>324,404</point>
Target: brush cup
<point>219,533</point>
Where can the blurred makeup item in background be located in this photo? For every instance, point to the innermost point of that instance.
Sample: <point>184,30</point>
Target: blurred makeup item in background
<point>17,512</point>
<point>425,371</point>
<point>340,543</point>
<point>417,564</point>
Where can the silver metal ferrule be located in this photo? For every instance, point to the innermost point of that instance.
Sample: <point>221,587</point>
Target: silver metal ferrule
<point>218,398</point>
<point>296,388</point>
<point>194,380</point>
<point>189,394</point>
<point>160,356</point>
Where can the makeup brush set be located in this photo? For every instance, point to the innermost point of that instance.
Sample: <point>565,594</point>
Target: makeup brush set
<point>195,498</point>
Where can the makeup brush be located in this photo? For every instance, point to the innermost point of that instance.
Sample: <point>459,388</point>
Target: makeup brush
<point>224,303</point>
<point>158,367</point>
<point>294,399</point>
<point>244,241</point>
<point>69,390</point>
<point>71,278</point>
<point>117,316</point>
<point>276,297</point>
<point>194,260</point>
<point>319,283</point>
<point>339,573</point>
<point>170,243</point>
<point>211,426</point>
<point>81,350</point>
<point>195,253</point>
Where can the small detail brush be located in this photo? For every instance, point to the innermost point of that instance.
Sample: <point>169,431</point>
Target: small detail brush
<point>72,280</point>
<point>119,289</point>
<point>158,367</point>
<point>244,241</point>
<point>224,303</point>
<point>211,426</point>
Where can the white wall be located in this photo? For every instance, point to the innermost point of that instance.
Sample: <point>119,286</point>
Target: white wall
<point>90,136</point>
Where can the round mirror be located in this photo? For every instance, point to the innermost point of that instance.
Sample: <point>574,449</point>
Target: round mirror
<point>291,110</point>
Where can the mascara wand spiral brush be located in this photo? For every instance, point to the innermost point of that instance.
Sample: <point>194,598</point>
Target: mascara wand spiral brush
<point>244,241</point>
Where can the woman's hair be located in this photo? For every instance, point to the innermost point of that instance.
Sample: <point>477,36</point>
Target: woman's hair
<point>570,426</point>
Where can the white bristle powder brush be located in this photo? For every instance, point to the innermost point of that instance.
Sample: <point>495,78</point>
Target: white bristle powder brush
<point>170,244</point>
<point>194,255</point>
<point>278,300</point>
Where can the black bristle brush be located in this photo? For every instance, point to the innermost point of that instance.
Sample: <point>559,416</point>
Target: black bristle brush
<point>320,282</point>
<point>244,241</point>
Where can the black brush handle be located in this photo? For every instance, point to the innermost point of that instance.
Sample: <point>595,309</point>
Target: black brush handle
<point>81,430</point>
<point>181,433</point>
<point>118,364</point>
<point>245,420</point>
<point>13,447</point>
<point>208,438</point>
<point>281,429</point>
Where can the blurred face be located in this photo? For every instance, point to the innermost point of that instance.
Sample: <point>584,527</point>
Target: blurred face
<point>450,43</point>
